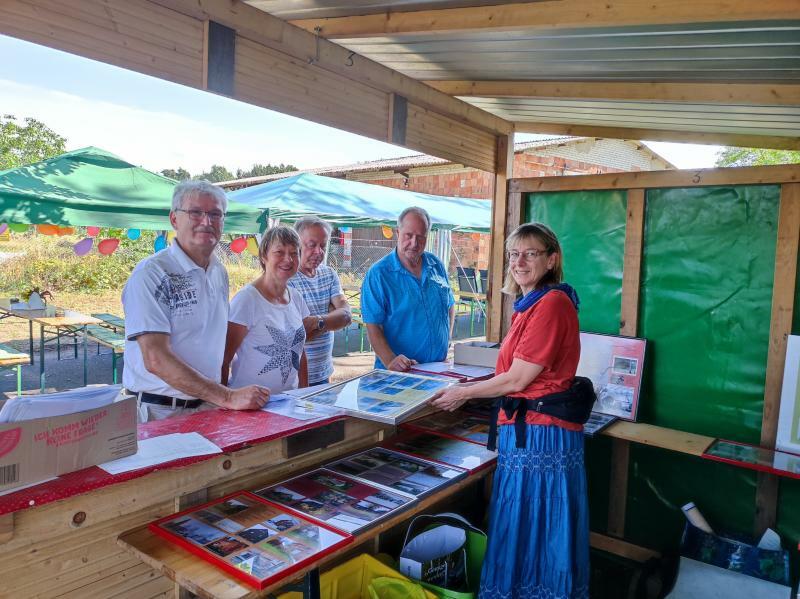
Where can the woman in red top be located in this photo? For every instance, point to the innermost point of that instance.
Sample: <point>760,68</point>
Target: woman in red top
<point>539,524</point>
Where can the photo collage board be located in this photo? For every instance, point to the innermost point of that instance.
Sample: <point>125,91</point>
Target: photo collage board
<point>615,366</point>
<point>252,539</point>
<point>397,471</point>
<point>459,424</point>
<point>436,447</point>
<point>341,501</point>
<point>381,395</point>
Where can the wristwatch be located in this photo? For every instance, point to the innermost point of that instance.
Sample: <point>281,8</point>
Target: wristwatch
<point>320,324</point>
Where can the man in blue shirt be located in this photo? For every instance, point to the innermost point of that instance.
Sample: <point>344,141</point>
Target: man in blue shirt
<point>406,300</point>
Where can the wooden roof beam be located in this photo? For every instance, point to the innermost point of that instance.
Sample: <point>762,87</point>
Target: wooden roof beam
<point>552,14</point>
<point>697,137</point>
<point>748,94</point>
<point>263,28</point>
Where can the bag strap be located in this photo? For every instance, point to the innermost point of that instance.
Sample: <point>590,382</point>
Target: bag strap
<point>448,518</point>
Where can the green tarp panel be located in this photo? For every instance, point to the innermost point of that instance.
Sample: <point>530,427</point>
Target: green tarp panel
<point>354,204</point>
<point>593,249</point>
<point>92,187</point>
<point>705,306</point>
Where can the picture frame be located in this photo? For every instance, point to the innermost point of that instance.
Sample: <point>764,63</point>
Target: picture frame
<point>443,449</point>
<point>788,435</point>
<point>380,395</point>
<point>398,471</point>
<point>615,365</point>
<point>337,500</point>
<point>459,424</point>
<point>753,457</point>
<point>242,535</point>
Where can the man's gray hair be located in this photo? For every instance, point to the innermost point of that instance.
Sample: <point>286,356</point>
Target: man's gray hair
<point>304,222</point>
<point>193,188</point>
<point>421,212</point>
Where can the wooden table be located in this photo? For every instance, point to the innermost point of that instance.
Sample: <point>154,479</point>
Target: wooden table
<point>11,357</point>
<point>58,322</point>
<point>207,581</point>
<point>59,538</point>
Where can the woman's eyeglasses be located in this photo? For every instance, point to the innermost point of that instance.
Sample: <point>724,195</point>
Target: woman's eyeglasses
<point>529,255</point>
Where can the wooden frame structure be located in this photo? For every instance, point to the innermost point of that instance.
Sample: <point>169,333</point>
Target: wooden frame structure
<point>288,63</point>
<point>785,275</point>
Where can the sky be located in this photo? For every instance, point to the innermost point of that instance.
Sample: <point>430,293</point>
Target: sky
<point>157,124</point>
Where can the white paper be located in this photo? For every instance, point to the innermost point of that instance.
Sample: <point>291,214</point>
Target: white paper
<point>158,450</point>
<point>288,405</point>
<point>58,404</point>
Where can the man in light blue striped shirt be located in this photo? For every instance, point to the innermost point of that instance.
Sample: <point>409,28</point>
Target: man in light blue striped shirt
<point>319,284</point>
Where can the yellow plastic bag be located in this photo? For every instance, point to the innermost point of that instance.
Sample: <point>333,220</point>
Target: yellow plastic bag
<point>393,588</point>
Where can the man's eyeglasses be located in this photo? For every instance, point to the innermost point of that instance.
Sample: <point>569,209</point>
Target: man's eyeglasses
<point>214,216</point>
<point>529,255</point>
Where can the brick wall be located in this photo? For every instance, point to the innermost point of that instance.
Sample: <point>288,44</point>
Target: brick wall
<point>473,250</point>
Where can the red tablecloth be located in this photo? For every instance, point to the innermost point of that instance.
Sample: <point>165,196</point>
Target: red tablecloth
<point>230,430</point>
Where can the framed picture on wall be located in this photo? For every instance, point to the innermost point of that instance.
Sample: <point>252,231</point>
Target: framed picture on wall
<point>615,365</point>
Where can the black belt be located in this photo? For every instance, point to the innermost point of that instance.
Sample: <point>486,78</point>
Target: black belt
<point>166,400</point>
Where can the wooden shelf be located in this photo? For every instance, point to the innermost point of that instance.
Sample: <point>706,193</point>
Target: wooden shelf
<point>657,436</point>
<point>209,582</point>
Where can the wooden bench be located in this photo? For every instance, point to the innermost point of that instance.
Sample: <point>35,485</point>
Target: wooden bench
<point>107,337</point>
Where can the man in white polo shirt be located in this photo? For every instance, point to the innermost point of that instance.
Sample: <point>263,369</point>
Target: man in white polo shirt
<point>176,315</point>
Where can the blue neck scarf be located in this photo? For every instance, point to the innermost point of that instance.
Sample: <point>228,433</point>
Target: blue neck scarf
<point>528,300</point>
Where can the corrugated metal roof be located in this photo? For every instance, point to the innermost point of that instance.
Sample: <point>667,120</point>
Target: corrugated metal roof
<point>306,9</point>
<point>758,51</point>
<point>747,51</point>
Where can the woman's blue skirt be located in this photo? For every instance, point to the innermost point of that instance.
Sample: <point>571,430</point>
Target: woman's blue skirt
<point>538,544</point>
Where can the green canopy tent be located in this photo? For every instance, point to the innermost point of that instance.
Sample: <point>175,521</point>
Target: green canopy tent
<point>92,187</point>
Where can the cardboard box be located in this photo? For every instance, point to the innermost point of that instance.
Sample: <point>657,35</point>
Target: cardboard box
<point>476,353</point>
<point>35,450</point>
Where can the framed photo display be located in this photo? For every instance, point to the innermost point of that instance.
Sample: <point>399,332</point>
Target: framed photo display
<point>789,414</point>
<point>615,365</point>
<point>252,539</point>
<point>445,450</point>
<point>338,500</point>
<point>398,471</point>
<point>381,395</point>
<point>458,424</point>
<point>754,458</point>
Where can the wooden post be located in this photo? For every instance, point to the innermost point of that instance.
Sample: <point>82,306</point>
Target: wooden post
<point>780,327</point>
<point>514,210</point>
<point>503,172</point>
<point>629,319</point>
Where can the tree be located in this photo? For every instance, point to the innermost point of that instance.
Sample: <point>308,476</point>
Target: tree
<point>756,157</point>
<point>261,170</point>
<point>25,144</point>
<point>216,174</point>
<point>179,175</point>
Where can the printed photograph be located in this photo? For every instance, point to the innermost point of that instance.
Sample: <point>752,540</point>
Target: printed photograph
<point>289,550</point>
<point>333,498</point>
<point>231,507</point>
<point>367,509</point>
<point>385,407</point>
<point>392,390</point>
<point>626,366</point>
<point>315,508</point>
<point>256,534</point>
<point>228,525</point>
<point>225,546</point>
<point>430,385</point>
<point>193,530</point>
<point>387,500</point>
<point>282,522</point>
<point>331,481</point>
<point>257,563</point>
<point>208,516</point>
<point>409,488</point>
<point>352,468</point>
<point>280,494</point>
